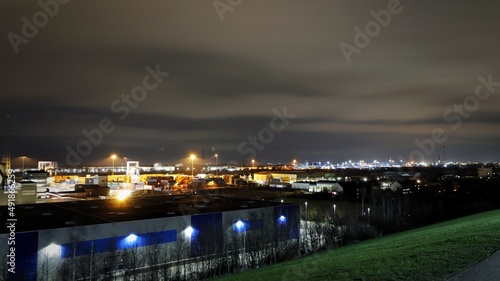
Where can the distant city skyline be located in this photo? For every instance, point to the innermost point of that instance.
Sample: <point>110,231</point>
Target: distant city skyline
<point>119,163</point>
<point>270,81</point>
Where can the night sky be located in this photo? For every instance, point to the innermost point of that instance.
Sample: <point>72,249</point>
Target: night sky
<point>233,65</point>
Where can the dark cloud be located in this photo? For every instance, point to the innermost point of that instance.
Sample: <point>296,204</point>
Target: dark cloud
<point>228,77</point>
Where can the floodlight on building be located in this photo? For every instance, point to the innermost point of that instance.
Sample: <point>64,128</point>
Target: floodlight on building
<point>131,238</point>
<point>239,226</point>
<point>282,219</point>
<point>53,249</point>
<point>189,232</point>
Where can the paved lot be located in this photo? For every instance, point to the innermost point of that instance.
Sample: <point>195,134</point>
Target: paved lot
<point>487,269</point>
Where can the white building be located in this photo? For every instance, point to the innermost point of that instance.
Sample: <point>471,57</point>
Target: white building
<point>392,185</point>
<point>484,172</point>
<point>318,186</point>
<point>328,186</point>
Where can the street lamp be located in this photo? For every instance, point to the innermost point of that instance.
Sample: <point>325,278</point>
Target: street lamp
<point>334,206</point>
<point>306,211</point>
<point>113,170</point>
<point>307,232</point>
<point>253,163</point>
<point>216,158</point>
<point>240,227</point>
<point>192,164</point>
<point>23,161</point>
<point>294,162</point>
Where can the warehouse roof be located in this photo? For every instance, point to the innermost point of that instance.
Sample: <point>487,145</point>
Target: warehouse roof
<point>86,212</point>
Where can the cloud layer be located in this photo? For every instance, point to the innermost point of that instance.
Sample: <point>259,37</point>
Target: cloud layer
<point>226,77</point>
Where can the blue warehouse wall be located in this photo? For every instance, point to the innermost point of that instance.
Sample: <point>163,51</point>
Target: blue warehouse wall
<point>287,221</point>
<point>26,257</point>
<point>207,234</point>
<point>82,248</point>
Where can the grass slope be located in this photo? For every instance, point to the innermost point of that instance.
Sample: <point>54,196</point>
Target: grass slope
<point>429,253</point>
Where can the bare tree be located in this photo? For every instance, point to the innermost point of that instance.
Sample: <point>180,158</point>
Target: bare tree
<point>209,243</point>
<point>65,271</point>
<point>133,260</point>
<point>48,266</point>
<point>164,267</point>
<point>180,255</point>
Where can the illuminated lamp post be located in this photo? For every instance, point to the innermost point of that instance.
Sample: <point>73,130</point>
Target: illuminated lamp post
<point>216,158</point>
<point>113,157</point>
<point>239,227</point>
<point>192,164</point>
<point>307,232</point>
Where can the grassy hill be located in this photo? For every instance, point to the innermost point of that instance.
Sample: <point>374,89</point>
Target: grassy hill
<point>429,253</point>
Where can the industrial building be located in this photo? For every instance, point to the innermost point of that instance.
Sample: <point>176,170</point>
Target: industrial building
<point>273,178</point>
<point>318,186</point>
<point>82,239</point>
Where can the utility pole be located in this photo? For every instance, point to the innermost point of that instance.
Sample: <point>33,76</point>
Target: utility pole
<point>444,154</point>
<point>203,157</point>
<point>6,150</point>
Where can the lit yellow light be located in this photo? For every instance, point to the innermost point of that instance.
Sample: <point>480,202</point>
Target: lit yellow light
<point>113,156</point>
<point>122,194</point>
<point>192,157</point>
